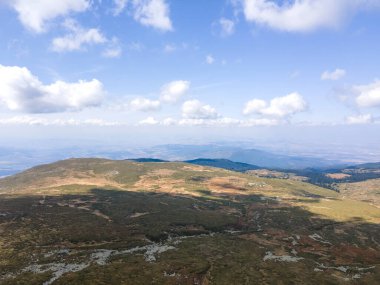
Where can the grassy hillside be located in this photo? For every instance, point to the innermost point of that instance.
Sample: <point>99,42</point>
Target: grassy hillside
<point>97,221</point>
<point>223,163</point>
<point>368,191</point>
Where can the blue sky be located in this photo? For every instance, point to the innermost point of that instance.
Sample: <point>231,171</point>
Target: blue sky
<point>172,67</point>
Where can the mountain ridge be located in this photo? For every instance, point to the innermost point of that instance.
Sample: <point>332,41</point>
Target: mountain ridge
<point>100,221</point>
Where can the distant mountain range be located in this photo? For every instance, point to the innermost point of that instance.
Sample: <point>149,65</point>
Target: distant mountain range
<point>375,165</point>
<point>237,158</point>
<point>249,156</point>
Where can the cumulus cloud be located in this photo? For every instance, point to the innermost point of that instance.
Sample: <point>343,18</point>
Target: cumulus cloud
<point>227,27</point>
<point>35,14</point>
<point>20,90</point>
<point>194,109</point>
<point>368,96</point>
<point>254,106</point>
<point>173,91</point>
<point>333,75</point>
<point>150,121</point>
<point>260,122</point>
<point>301,15</point>
<point>280,107</point>
<point>38,121</point>
<point>145,105</point>
<point>152,13</point>
<point>112,52</point>
<point>168,48</point>
<point>210,59</point>
<point>77,38</point>
<point>168,122</point>
<point>218,122</point>
<point>119,6</point>
<point>359,119</point>
<point>210,122</point>
<point>58,122</point>
<point>113,49</point>
<point>136,46</point>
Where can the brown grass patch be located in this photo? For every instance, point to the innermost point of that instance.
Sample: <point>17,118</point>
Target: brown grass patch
<point>161,184</point>
<point>162,172</point>
<point>338,175</point>
<point>227,184</point>
<point>196,168</point>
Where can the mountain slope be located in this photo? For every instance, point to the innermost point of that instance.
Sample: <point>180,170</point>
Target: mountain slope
<point>374,165</point>
<point>224,163</point>
<point>98,221</point>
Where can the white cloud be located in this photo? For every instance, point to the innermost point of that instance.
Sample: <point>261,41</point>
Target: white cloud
<point>227,27</point>
<point>169,122</point>
<point>152,13</point>
<point>260,122</point>
<point>119,6</point>
<point>173,91</point>
<point>280,107</point>
<point>359,119</point>
<point>114,49</point>
<point>218,122</point>
<point>150,121</point>
<point>302,15</point>
<point>136,46</point>
<point>34,14</point>
<point>145,105</point>
<point>20,90</point>
<point>368,95</point>
<point>210,59</point>
<point>38,121</point>
<point>77,38</point>
<point>333,75</point>
<point>170,48</point>
<point>254,106</point>
<point>194,109</point>
<point>112,52</point>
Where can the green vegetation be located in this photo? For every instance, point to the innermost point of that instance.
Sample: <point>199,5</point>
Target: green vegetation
<point>223,163</point>
<point>92,221</point>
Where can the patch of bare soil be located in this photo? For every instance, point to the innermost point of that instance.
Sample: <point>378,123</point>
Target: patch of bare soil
<point>136,215</point>
<point>162,172</point>
<point>84,205</point>
<point>259,240</point>
<point>160,180</point>
<point>338,175</point>
<point>227,184</point>
<point>96,181</point>
<point>196,168</point>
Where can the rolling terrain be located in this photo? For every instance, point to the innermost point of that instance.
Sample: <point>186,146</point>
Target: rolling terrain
<point>244,155</point>
<point>99,221</point>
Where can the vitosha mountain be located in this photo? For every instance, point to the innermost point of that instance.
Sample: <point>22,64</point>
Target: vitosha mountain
<point>98,221</point>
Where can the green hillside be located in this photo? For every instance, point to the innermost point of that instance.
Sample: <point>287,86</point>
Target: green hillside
<point>98,221</point>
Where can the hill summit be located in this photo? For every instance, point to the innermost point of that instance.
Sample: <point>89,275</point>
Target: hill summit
<point>98,221</point>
